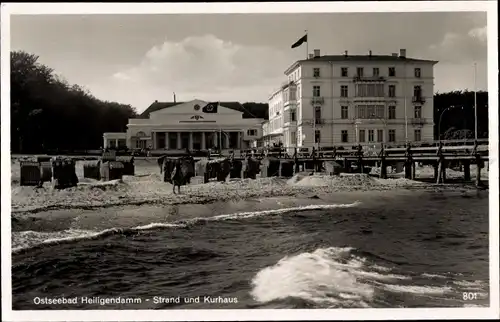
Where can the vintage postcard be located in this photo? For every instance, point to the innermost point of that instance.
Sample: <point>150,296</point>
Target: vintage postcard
<point>249,161</point>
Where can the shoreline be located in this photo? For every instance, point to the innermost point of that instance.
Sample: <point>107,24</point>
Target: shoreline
<point>45,225</point>
<point>123,193</point>
<point>147,188</point>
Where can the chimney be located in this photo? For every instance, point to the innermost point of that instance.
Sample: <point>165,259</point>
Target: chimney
<point>156,101</point>
<point>345,53</point>
<point>402,53</point>
<point>316,53</point>
<point>174,98</point>
<point>311,56</point>
<point>394,54</point>
<point>370,53</point>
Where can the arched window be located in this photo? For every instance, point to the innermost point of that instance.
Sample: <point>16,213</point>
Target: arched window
<point>141,134</point>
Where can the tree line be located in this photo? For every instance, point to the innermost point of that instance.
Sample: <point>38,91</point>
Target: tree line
<point>49,114</point>
<point>456,111</point>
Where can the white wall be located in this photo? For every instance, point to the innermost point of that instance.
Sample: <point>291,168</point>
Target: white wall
<point>276,112</point>
<point>330,82</point>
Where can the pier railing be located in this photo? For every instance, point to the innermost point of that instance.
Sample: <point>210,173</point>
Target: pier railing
<point>371,149</point>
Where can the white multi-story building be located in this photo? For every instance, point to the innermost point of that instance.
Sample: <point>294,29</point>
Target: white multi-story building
<point>344,100</point>
<point>272,129</point>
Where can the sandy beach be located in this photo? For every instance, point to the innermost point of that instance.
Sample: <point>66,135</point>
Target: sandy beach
<point>147,187</point>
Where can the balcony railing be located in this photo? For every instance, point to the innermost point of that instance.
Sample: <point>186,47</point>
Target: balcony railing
<point>311,122</point>
<point>317,100</point>
<point>418,99</point>
<point>369,98</point>
<point>368,79</point>
<point>418,121</point>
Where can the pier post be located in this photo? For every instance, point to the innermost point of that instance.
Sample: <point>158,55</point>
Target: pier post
<point>360,158</point>
<point>443,175</point>
<point>407,170</point>
<point>440,172</point>
<point>313,154</point>
<point>383,168</point>
<point>383,163</point>
<point>408,163</point>
<point>466,167</point>
<point>296,161</point>
<point>479,165</point>
<point>441,166</point>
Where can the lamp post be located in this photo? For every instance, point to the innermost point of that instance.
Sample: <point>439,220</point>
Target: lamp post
<point>440,117</point>
<point>475,102</point>
<point>356,129</point>
<point>314,129</point>
<point>406,113</point>
<point>385,125</point>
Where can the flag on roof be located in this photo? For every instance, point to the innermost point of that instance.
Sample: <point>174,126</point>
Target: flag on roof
<point>300,41</point>
<point>210,107</point>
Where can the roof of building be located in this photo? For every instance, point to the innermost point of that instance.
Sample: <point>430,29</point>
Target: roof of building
<point>360,58</point>
<point>156,106</point>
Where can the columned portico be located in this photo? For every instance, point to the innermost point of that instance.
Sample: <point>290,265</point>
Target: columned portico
<point>188,126</point>
<point>190,140</point>
<point>196,140</point>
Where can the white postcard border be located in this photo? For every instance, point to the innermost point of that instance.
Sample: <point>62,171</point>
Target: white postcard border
<point>257,314</point>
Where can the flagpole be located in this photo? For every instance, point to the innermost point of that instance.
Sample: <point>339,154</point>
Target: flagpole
<point>307,45</point>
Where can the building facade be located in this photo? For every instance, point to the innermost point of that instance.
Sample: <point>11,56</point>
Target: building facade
<point>180,126</point>
<point>344,100</point>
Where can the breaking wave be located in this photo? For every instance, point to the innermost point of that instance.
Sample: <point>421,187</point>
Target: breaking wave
<point>26,240</point>
<point>338,277</point>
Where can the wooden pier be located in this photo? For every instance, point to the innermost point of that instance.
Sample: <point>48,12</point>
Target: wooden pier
<point>359,158</point>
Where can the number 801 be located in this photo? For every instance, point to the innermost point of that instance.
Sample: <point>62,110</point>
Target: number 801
<point>468,296</point>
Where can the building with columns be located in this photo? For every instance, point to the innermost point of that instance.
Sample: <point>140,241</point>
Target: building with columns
<point>337,100</point>
<point>184,125</point>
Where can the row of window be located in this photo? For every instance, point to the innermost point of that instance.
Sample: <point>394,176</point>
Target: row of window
<point>368,90</point>
<point>361,112</point>
<point>273,125</point>
<point>417,136</point>
<point>113,144</point>
<point>360,72</point>
<point>365,112</point>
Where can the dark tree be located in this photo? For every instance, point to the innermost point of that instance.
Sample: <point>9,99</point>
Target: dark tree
<point>459,115</point>
<point>47,113</point>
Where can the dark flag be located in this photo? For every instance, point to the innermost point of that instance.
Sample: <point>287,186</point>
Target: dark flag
<point>300,41</point>
<point>210,108</point>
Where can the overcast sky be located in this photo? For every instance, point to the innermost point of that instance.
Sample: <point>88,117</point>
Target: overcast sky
<point>136,59</point>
